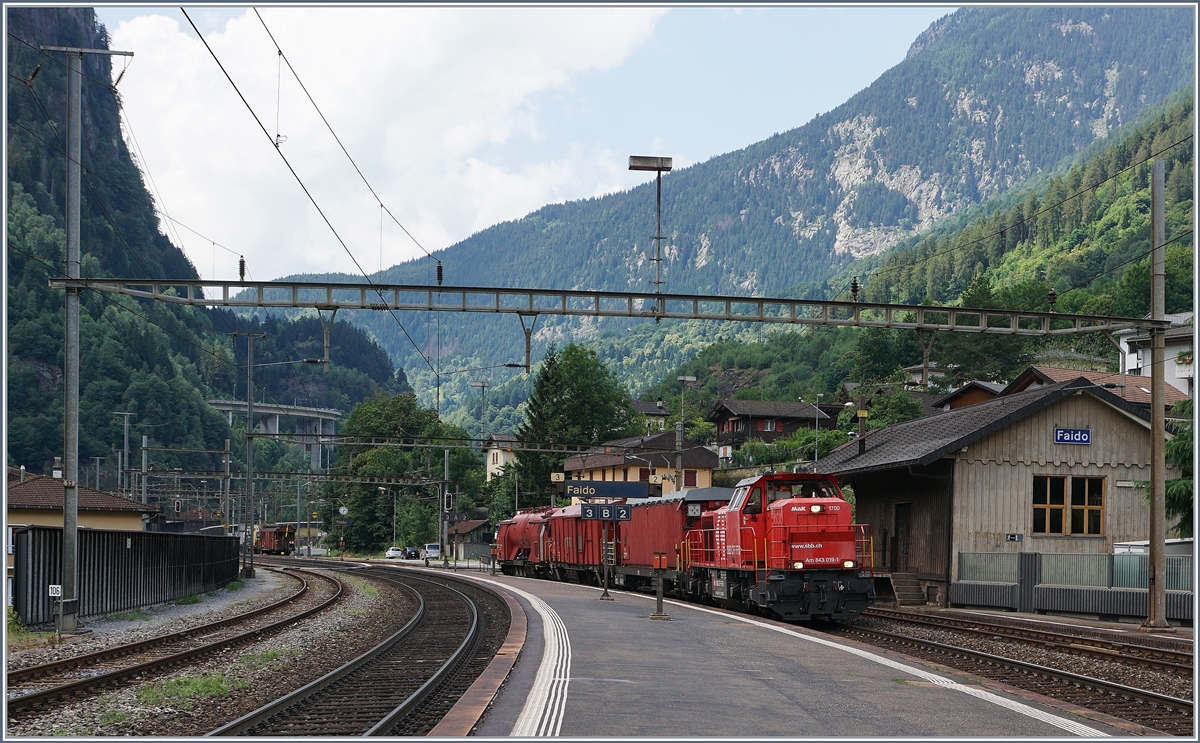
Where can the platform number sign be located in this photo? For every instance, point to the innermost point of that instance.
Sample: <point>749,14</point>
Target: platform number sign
<point>55,591</point>
<point>606,512</point>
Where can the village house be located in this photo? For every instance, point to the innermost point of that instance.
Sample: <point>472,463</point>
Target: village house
<point>498,453</point>
<point>740,420</point>
<point>637,459</point>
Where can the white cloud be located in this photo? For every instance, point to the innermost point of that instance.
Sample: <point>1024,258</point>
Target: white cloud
<point>423,98</point>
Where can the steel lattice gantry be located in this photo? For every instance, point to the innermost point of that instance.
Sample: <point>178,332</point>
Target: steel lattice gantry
<point>634,305</point>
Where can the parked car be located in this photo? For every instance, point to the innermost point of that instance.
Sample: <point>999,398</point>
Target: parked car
<point>432,551</point>
<point>412,553</point>
<point>393,552</point>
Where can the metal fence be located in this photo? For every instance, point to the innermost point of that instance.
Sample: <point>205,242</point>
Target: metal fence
<point>1101,584</point>
<point>988,567</point>
<point>118,570</point>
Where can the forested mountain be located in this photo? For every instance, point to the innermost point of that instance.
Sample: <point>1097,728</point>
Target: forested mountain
<point>159,362</point>
<point>986,98</point>
<point>1085,232</point>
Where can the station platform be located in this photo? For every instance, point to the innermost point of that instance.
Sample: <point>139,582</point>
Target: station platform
<point>592,668</point>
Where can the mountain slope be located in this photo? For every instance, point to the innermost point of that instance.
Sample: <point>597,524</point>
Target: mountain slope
<point>986,98</point>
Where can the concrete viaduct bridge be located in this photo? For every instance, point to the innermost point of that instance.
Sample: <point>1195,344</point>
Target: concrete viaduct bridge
<point>311,423</point>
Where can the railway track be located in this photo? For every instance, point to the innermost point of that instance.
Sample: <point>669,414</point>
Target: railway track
<point>404,685</point>
<point>1162,658</point>
<point>34,688</point>
<point>1156,711</point>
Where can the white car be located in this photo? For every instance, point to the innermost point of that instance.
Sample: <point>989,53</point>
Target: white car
<point>393,552</point>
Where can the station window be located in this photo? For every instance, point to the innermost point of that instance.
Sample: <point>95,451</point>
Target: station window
<point>1049,502</point>
<point>1087,505</point>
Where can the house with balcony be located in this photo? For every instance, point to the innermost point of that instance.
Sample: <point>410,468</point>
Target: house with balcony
<point>740,420</point>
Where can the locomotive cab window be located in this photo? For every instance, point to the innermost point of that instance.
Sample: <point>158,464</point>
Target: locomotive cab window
<point>817,489</point>
<point>754,502</point>
<point>739,497</point>
<point>778,491</point>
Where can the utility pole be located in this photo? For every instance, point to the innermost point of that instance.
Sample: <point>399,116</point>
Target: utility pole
<point>69,603</point>
<point>862,424</point>
<point>249,510</point>
<point>1156,618</point>
<point>123,465</point>
<point>145,464</point>
<point>97,460</point>
<point>225,516</point>
<point>446,508</point>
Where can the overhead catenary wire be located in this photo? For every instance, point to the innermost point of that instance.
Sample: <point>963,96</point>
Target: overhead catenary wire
<point>335,136</point>
<point>304,188</point>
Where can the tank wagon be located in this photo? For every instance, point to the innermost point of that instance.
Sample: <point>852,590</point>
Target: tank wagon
<point>274,540</point>
<point>780,543</point>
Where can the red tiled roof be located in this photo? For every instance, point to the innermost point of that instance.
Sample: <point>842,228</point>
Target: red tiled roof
<point>41,492</point>
<point>1137,388</point>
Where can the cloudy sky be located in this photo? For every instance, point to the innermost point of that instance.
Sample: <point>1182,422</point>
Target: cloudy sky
<point>459,118</point>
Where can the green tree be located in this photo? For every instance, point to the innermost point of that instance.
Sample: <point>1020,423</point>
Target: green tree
<point>576,400</point>
<point>1180,496</point>
<point>991,358</point>
<point>369,521</point>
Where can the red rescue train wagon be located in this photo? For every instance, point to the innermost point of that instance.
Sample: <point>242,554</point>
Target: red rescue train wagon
<point>780,543</point>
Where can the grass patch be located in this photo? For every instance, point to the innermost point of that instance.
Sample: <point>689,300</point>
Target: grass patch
<point>183,692</point>
<point>137,615</point>
<point>356,611</point>
<point>191,598</point>
<point>111,716</point>
<point>259,660</point>
<point>363,586</point>
<point>16,630</point>
<point>235,585</point>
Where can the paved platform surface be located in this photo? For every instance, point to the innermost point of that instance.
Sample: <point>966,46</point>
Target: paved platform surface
<point>709,673</point>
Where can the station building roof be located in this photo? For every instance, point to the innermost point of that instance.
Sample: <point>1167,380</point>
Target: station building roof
<point>39,492</point>
<point>923,441</point>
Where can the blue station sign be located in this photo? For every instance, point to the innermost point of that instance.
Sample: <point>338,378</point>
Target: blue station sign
<point>606,511</point>
<point>594,489</point>
<point>1072,435</point>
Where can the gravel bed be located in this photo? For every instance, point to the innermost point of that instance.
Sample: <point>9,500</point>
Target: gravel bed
<point>1159,682</point>
<point>121,628</point>
<point>251,675</point>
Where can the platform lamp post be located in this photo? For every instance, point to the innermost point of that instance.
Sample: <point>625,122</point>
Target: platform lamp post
<point>385,491</point>
<point>658,165</point>
<point>683,382</point>
<point>816,429</point>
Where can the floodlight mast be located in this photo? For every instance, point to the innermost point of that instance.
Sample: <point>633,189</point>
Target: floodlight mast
<point>658,165</point>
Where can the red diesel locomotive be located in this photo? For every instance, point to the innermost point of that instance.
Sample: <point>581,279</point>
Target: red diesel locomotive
<point>782,543</point>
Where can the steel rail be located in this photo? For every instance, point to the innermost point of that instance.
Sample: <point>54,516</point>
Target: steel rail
<point>37,698</point>
<point>1107,649</point>
<point>582,303</point>
<point>1183,706</point>
<point>32,672</point>
<point>415,699</point>
<point>280,706</point>
<point>267,711</point>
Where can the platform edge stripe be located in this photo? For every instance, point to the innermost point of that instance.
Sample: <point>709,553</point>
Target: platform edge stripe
<point>1060,722</point>
<point>465,713</point>
<point>554,673</point>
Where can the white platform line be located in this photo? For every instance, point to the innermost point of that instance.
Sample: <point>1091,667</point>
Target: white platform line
<point>542,715</point>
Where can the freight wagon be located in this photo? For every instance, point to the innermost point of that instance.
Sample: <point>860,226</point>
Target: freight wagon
<point>274,540</point>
